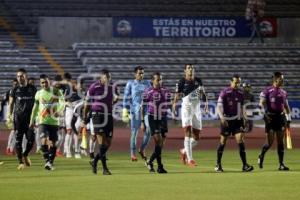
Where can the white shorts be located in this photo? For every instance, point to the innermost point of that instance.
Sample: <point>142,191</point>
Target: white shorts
<point>191,114</point>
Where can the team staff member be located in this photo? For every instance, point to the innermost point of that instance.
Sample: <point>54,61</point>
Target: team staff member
<point>274,103</point>
<point>100,98</point>
<point>21,100</point>
<point>230,110</point>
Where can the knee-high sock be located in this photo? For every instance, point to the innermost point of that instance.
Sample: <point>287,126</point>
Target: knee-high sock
<point>101,155</point>
<point>133,141</point>
<point>193,143</point>
<point>188,148</point>
<point>19,149</point>
<point>242,153</point>
<point>156,153</point>
<point>52,154</point>
<point>37,140</point>
<point>220,151</point>
<point>76,143</point>
<point>60,139</point>
<point>30,135</point>
<point>264,149</point>
<point>280,152</point>
<point>92,145</point>
<point>24,143</point>
<point>11,142</point>
<point>45,150</point>
<point>68,143</point>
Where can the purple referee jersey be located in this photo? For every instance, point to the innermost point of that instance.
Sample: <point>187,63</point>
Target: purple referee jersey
<point>101,97</point>
<point>232,100</point>
<point>157,100</point>
<point>275,99</point>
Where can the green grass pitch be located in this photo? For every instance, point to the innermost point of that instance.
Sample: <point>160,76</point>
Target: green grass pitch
<point>73,179</point>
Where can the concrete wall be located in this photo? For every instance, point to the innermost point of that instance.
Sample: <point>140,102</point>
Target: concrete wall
<point>62,32</point>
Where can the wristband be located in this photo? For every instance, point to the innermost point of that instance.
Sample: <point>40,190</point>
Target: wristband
<point>288,117</point>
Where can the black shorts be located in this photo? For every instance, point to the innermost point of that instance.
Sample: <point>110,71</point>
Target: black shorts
<point>234,126</point>
<point>158,126</point>
<point>277,122</point>
<point>21,123</point>
<point>50,131</point>
<point>103,123</point>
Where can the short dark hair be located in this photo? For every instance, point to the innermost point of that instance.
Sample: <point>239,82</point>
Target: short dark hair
<point>22,70</point>
<point>276,75</point>
<point>58,77</point>
<point>185,66</point>
<point>137,68</point>
<point>155,74</point>
<point>67,76</point>
<point>105,72</point>
<point>235,76</point>
<point>43,76</point>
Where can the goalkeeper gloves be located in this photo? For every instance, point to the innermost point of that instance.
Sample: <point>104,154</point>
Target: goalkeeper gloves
<point>125,115</point>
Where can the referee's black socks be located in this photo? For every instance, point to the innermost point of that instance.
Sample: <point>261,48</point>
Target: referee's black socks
<point>280,151</point>
<point>242,153</point>
<point>52,154</point>
<point>264,150</point>
<point>45,151</point>
<point>220,151</point>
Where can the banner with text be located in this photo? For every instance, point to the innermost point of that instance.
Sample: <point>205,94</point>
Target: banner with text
<point>189,27</point>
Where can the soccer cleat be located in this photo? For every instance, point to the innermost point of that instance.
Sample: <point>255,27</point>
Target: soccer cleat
<point>106,172</point>
<point>219,168</point>
<point>59,153</point>
<point>183,156</point>
<point>282,167</point>
<point>94,166</point>
<point>27,161</point>
<point>77,156</point>
<point>161,170</point>
<point>192,163</point>
<point>133,158</point>
<point>48,166</point>
<point>260,161</point>
<point>143,155</point>
<point>150,166</point>
<point>21,166</point>
<point>247,168</point>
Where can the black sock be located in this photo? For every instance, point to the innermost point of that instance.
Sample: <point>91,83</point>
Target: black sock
<point>102,151</point>
<point>19,151</point>
<point>158,158</point>
<point>45,151</point>
<point>264,150</point>
<point>52,154</point>
<point>242,153</point>
<point>92,155</point>
<point>220,151</point>
<point>29,146</point>
<point>280,151</point>
<point>156,153</point>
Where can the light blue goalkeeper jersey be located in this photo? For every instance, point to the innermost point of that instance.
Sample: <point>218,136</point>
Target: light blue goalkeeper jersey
<point>133,94</point>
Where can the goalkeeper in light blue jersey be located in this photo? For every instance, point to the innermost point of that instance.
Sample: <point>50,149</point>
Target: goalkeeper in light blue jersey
<point>132,103</point>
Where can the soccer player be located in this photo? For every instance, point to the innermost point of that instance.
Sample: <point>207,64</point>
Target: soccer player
<point>274,105</point>
<point>132,103</point>
<point>157,100</point>
<point>48,106</point>
<point>72,98</point>
<point>192,90</point>
<point>230,110</point>
<point>21,100</point>
<point>100,98</point>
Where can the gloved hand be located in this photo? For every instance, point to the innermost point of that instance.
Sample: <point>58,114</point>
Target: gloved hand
<point>125,115</point>
<point>9,122</point>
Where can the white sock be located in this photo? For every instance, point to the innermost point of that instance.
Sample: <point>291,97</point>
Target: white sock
<point>76,143</point>
<point>193,142</point>
<point>187,148</point>
<point>37,140</point>
<point>60,139</point>
<point>11,141</point>
<point>67,148</point>
<point>91,145</point>
<point>24,143</point>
